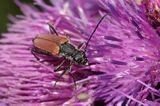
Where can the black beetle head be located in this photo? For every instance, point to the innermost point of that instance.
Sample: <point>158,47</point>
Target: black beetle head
<point>81,58</point>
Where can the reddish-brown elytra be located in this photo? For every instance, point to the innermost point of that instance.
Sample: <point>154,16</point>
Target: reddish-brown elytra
<point>57,45</point>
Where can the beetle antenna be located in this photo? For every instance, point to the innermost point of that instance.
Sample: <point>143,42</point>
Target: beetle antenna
<point>94,31</point>
<point>52,29</point>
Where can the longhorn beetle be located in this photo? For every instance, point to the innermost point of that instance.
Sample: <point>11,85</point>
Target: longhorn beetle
<point>57,45</point>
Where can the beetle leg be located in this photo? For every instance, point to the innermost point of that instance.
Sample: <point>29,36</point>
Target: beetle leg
<point>60,77</point>
<point>80,45</point>
<point>34,54</point>
<point>67,69</point>
<point>59,66</point>
<point>52,29</point>
<point>73,79</point>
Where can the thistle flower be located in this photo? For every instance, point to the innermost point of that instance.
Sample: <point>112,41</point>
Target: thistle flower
<point>124,56</point>
<point>152,10</point>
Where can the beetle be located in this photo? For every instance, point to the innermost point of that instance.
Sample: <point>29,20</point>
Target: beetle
<point>57,45</point>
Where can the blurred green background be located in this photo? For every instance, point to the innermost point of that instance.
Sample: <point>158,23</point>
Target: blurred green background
<point>8,7</point>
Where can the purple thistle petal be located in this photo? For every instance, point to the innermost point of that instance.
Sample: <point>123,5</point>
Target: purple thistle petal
<point>152,11</point>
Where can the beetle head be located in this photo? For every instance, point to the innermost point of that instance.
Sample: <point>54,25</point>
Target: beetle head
<point>80,58</point>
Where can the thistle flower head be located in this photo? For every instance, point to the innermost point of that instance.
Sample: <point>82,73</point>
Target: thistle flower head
<point>152,10</point>
<point>123,55</point>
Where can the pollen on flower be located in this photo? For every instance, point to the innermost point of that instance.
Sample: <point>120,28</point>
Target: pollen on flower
<point>82,96</point>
